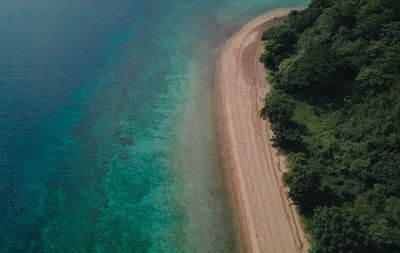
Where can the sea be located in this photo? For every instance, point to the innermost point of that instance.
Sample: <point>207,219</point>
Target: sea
<point>108,127</point>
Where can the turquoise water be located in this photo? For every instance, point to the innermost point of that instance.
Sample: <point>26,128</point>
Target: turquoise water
<point>108,140</point>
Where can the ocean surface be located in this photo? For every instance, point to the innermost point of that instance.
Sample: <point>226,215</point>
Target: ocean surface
<point>108,139</point>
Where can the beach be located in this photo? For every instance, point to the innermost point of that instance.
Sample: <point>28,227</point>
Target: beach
<point>269,221</point>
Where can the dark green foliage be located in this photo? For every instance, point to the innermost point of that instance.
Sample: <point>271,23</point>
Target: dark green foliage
<point>317,75</point>
<point>279,43</point>
<point>372,81</point>
<point>392,221</point>
<point>336,230</point>
<point>278,107</point>
<point>322,4</point>
<point>335,109</point>
<point>286,137</point>
<point>300,21</point>
<point>303,185</point>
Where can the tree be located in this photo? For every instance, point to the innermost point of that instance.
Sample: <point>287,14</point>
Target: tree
<point>278,108</point>
<point>336,230</point>
<point>285,137</point>
<point>301,20</point>
<point>317,75</point>
<point>303,185</point>
<point>279,44</point>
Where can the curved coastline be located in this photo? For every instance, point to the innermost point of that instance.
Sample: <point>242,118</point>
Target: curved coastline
<point>269,222</point>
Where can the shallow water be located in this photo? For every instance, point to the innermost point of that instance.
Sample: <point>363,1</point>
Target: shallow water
<point>108,140</point>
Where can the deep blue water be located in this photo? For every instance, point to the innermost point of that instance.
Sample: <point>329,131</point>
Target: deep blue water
<point>107,135</point>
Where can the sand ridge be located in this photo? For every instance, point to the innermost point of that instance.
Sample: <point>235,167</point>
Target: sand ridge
<point>269,220</point>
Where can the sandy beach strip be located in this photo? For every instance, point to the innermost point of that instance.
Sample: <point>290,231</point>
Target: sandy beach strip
<point>269,220</point>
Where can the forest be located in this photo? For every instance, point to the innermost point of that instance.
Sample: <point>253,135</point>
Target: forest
<point>334,107</point>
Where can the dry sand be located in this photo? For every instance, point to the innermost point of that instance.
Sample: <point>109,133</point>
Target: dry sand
<point>269,220</point>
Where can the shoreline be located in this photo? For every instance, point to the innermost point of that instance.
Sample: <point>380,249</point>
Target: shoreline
<point>269,222</point>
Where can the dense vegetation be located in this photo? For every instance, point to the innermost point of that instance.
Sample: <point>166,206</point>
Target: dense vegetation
<point>335,109</point>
